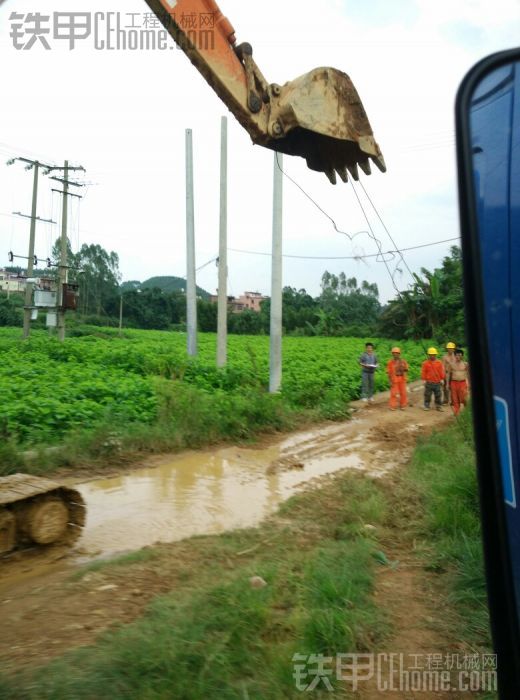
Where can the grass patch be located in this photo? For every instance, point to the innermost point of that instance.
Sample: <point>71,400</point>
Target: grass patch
<point>215,636</point>
<point>443,482</point>
<point>11,460</point>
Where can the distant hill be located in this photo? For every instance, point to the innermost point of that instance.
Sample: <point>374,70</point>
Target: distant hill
<point>165,284</point>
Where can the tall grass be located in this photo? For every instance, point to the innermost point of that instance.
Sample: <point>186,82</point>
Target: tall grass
<point>442,478</point>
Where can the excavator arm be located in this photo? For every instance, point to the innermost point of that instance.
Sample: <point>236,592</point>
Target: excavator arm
<point>318,116</point>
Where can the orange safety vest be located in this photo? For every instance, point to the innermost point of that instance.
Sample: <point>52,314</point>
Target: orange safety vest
<point>396,368</point>
<point>433,371</point>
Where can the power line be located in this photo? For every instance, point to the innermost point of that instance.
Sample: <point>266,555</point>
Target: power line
<point>376,240</point>
<point>215,259</point>
<point>381,253</point>
<point>392,279</point>
<point>345,257</point>
<point>379,257</point>
<point>384,226</point>
<point>350,236</point>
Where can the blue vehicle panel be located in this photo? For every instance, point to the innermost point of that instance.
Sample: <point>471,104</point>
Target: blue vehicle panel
<point>495,135</point>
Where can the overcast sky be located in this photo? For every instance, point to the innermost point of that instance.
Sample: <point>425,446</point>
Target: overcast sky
<point>123,116</point>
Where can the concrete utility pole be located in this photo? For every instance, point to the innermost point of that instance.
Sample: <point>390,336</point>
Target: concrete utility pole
<point>30,164</point>
<point>63,269</point>
<point>30,262</point>
<point>275,347</point>
<point>222,254</point>
<point>63,274</point>
<point>191,289</point>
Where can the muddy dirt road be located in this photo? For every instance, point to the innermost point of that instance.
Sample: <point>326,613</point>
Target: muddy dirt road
<point>46,611</point>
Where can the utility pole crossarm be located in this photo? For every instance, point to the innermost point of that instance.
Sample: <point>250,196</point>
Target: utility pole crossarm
<point>68,182</point>
<point>51,168</point>
<point>36,218</point>
<point>67,194</point>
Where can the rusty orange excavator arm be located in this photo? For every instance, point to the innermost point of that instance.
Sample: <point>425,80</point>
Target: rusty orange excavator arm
<point>318,116</point>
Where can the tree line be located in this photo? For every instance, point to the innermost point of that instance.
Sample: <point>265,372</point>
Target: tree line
<point>431,306</point>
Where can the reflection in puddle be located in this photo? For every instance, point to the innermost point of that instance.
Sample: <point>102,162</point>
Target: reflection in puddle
<point>193,494</point>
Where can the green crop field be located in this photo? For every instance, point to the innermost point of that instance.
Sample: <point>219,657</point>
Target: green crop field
<point>51,389</point>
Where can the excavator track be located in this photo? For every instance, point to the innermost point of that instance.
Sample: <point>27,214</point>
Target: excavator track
<point>37,511</point>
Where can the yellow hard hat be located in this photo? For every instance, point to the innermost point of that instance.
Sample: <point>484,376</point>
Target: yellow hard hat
<point>432,351</point>
<point>396,350</point>
<point>450,346</point>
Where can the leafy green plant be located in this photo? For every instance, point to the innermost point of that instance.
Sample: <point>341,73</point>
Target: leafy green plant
<point>52,389</point>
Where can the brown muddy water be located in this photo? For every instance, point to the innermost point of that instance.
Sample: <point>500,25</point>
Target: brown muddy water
<point>210,491</point>
<point>196,493</point>
<point>207,492</point>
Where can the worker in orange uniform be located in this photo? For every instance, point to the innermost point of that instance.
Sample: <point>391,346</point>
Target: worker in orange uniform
<point>447,361</point>
<point>459,381</point>
<point>396,369</point>
<point>433,375</point>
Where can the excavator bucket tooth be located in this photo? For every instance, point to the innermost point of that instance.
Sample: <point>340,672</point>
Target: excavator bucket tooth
<point>332,176</point>
<point>380,163</point>
<point>342,172</point>
<point>320,117</point>
<point>365,166</point>
<point>353,171</point>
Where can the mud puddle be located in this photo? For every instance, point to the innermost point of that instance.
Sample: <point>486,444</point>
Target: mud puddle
<point>210,491</point>
<point>205,492</point>
<point>193,493</point>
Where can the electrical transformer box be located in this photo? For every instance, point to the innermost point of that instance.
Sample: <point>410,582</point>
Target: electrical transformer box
<point>45,299</point>
<point>70,296</point>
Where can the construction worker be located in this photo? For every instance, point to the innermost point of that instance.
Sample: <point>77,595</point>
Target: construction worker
<point>459,381</point>
<point>433,375</point>
<point>447,360</point>
<point>396,369</point>
<point>369,364</point>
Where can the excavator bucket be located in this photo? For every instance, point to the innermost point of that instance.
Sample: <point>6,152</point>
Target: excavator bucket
<point>321,118</point>
<point>318,116</point>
